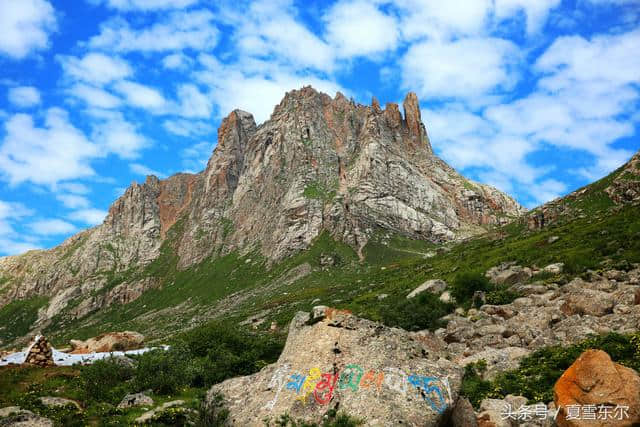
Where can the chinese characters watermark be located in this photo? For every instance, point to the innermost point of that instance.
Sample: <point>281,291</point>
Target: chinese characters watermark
<point>573,412</point>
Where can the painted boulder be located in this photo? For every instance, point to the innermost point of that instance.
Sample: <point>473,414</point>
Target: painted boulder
<point>334,361</point>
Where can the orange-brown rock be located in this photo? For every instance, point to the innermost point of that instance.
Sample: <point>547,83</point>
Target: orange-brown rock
<point>113,341</point>
<point>594,379</point>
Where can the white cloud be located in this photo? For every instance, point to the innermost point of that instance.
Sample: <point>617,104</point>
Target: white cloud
<point>146,5</point>
<point>465,68</point>
<point>24,96</point>
<point>442,20</point>
<point>94,97</point>
<point>176,61</point>
<point>195,157</point>
<point>88,216</point>
<point>268,28</point>
<point>180,30</point>
<point>49,227</point>
<point>548,190</point>
<point>44,155</point>
<point>74,188</point>
<point>188,128</point>
<point>95,68</point>
<point>357,27</point>
<point>117,135</point>
<point>536,11</point>
<point>26,26</point>
<point>12,242</point>
<point>193,103</point>
<point>13,247</point>
<point>73,201</point>
<point>141,169</point>
<point>236,86</point>
<point>141,96</point>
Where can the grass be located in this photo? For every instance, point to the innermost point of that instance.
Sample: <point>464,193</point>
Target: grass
<point>316,190</point>
<point>196,360</point>
<point>18,316</point>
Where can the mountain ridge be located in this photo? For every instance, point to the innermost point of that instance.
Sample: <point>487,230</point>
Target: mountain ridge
<point>319,164</point>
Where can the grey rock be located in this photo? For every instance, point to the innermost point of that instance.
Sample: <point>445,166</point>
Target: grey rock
<point>136,399</point>
<point>12,410</point>
<point>371,371</point>
<point>434,286</point>
<point>25,419</point>
<point>556,268</point>
<point>463,414</point>
<point>59,402</point>
<point>149,415</point>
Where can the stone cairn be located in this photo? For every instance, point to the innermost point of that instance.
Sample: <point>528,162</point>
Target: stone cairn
<point>40,353</point>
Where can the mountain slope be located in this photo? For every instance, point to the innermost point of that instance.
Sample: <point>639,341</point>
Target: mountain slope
<point>319,165</point>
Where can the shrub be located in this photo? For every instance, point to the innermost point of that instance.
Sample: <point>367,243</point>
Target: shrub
<point>105,381</point>
<point>421,312</point>
<point>467,284</point>
<point>164,372</point>
<point>223,351</point>
<point>473,386</point>
<point>578,263</point>
<point>502,296</point>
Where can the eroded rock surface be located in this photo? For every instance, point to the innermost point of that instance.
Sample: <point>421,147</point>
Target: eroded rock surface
<point>610,390</point>
<point>318,164</point>
<point>333,360</point>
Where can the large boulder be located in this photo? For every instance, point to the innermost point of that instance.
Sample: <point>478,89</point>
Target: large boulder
<point>435,286</point>
<point>508,274</point>
<point>334,360</point>
<point>595,391</point>
<point>112,341</point>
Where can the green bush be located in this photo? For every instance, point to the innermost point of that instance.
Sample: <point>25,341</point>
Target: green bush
<point>222,351</point>
<point>579,263</point>
<point>465,285</point>
<point>502,296</point>
<point>164,372</point>
<point>421,312</point>
<point>105,381</point>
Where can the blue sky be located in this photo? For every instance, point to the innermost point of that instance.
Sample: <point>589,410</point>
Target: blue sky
<point>536,97</point>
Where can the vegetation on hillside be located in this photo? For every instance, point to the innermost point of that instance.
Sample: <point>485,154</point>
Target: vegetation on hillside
<point>196,360</point>
<point>539,371</point>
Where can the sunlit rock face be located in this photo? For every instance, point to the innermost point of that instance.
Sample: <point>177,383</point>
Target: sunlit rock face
<point>318,164</point>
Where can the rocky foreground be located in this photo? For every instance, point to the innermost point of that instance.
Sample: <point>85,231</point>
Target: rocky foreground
<point>387,376</point>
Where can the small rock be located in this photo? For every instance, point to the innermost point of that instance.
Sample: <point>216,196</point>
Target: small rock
<point>136,399</point>
<point>555,268</point>
<point>446,297</point>
<point>553,239</point>
<point>12,410</point>
<point>58,402</point>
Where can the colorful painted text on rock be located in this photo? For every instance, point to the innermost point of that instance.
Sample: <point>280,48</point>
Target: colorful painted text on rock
<point>435,391</point>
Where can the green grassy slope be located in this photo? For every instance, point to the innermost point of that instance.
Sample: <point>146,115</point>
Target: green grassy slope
<point>592,233</point>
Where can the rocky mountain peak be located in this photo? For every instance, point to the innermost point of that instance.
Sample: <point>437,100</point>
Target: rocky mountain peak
<point>318,165</point>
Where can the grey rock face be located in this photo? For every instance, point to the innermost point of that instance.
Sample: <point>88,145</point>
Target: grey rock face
<point>318,164</point>
<point>335,360</point>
